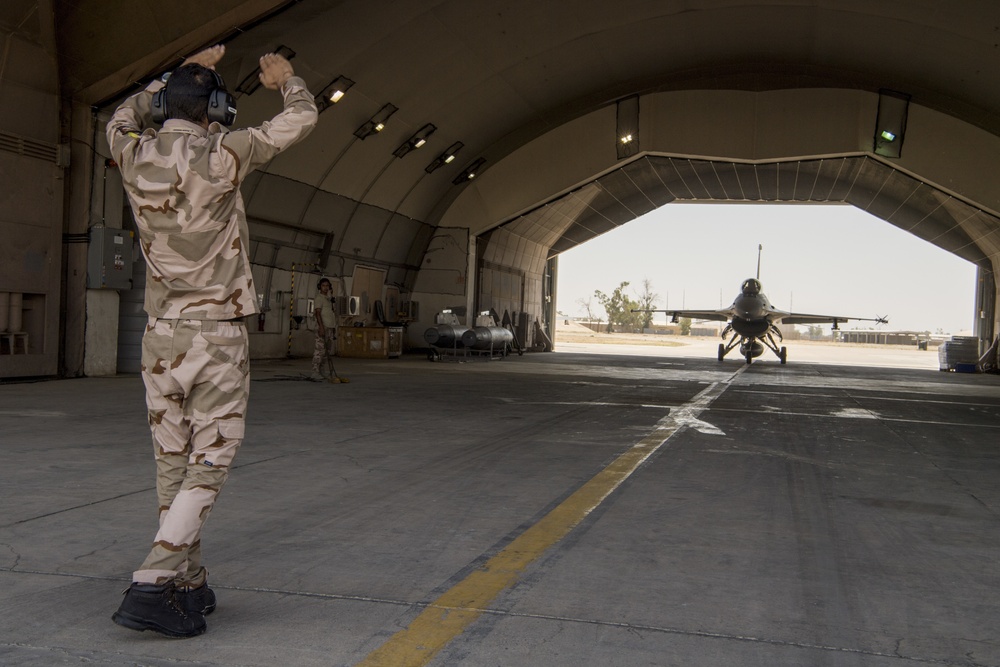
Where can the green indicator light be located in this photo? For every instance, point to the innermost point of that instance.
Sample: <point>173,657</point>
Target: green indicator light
<point>888,136</point>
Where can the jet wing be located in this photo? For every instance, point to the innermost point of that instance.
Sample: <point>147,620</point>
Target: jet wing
<point>803,318</point>
<point>720,315</point>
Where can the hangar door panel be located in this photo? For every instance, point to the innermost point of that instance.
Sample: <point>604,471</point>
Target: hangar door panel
<point>502,289</point>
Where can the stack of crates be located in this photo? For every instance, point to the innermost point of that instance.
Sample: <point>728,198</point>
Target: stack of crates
<point>960,354</point>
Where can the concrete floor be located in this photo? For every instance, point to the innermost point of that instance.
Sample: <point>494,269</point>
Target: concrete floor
<point>561,509</point>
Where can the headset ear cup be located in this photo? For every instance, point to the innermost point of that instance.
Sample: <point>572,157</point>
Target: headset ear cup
<point>158,111</point>
<point>221,107</point>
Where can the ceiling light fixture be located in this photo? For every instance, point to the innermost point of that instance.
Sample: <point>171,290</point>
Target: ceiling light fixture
<point>377,122</point>
<point>333,93</point>
<point>447,157</point>
<point>469,172</point>
<point>252,80</point>
<point>418,139</point>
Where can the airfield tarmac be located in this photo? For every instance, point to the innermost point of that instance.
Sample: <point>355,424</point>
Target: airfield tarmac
<point>574,337</point>
<point>599,505</point>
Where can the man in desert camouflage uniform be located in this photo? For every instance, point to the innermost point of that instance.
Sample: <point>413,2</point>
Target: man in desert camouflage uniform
<point>183,185</point>
<point>326,331</point>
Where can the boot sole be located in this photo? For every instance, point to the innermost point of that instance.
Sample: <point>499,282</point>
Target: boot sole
<point>140,624</point>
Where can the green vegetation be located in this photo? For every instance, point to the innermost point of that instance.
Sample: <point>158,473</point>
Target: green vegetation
<point>618,306</point>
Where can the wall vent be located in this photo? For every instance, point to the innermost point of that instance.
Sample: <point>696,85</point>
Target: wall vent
<point>40,150</point>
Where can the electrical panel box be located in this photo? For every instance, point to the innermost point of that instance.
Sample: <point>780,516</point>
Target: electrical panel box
<point>109,258</point>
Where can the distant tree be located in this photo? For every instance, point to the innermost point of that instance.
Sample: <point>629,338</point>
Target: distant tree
<point>685,325</point>
<point>618,306</point>
<point>647,300</point>
<point>587,306</point>
<point>815,331</point>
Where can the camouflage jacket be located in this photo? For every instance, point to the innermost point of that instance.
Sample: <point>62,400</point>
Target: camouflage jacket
<point>183,183</point>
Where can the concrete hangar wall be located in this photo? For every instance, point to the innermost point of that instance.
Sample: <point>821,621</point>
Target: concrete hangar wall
<point>734,101</point>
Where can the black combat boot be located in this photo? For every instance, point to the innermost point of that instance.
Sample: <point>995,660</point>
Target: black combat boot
<point>200,600</point>
<point>155,607</point>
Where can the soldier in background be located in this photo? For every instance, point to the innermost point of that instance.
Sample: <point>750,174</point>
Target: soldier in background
<point>326,332</point>
<point>183,185</point>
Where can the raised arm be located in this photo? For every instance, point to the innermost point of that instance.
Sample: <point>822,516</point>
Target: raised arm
<point>254,146</point>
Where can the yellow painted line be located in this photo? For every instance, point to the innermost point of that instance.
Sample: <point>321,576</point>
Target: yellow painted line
<point>448,616</point>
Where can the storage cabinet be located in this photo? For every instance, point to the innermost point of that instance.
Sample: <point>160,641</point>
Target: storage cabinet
<point>370,342</point>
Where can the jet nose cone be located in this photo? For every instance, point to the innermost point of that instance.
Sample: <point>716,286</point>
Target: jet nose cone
<point>750,308</point>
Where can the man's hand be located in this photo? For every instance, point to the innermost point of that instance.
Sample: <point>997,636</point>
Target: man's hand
<point>207,58</point>
<point>275,70</point>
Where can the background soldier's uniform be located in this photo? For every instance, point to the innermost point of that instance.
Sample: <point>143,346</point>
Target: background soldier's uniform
<point>325,344</point>
<point>183,184</point>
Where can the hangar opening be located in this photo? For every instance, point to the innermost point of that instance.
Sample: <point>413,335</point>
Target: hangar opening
<point>816,259</point>
<point>649,182</point>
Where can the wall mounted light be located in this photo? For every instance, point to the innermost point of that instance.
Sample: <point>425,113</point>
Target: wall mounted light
<point>627,130</point>
<point>333,93</point>
<point>377,122</point>
<point>418,139</point>
<point>890,123</point>
<point>252,80</point>
<point>447,157</point>
<point>469,172</point>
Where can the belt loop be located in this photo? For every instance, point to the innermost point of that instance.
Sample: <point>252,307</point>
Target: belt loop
<point>209,326</point>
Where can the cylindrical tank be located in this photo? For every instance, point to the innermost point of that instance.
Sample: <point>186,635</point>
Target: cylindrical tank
<point>14,315</point>
<point>445,335</point>
<point>4,310</point>
<point>484,338</point>
<point>756,349</point>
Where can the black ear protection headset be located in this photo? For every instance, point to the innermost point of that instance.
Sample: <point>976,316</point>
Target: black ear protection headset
<point>221,105</point>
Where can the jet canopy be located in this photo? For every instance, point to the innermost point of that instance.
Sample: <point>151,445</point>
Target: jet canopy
<point>751,287</point>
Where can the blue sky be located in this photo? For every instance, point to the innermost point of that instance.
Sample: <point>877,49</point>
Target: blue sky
<point>824,259</point>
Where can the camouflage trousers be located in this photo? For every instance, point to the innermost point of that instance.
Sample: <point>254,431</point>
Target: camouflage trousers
<point>197,385</point>
<point>325,346</point>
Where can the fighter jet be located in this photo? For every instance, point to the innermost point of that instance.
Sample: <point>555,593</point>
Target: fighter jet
<point>753,321</point>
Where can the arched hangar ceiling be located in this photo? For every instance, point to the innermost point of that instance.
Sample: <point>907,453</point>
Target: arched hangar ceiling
<point>496,76</point>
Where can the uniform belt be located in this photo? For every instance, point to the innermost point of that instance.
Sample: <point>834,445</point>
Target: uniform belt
<point>206,325</point>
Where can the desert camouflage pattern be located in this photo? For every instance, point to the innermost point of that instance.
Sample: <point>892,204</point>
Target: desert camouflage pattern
<point>183,183</point>
<point>197,384</point>
<point>325,346</point>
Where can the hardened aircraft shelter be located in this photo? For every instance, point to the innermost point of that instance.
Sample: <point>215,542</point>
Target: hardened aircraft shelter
<point>655,507</point>
<point>511,133</point>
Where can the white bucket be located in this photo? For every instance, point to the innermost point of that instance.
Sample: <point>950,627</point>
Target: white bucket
<point>15,316</point>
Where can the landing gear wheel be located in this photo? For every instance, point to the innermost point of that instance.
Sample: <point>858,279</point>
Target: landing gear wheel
<point>749,357</point>
<point>722,351</point>
<point>783,355</point>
